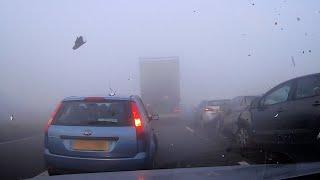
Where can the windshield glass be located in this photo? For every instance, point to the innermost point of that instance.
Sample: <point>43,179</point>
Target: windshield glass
<point>79,113</point>
<point>115,86</point>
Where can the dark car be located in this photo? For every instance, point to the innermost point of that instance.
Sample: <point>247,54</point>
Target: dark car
<point>235,107</point>
<point>287,114</point>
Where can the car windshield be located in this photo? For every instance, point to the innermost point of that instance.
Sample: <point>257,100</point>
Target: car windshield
<point>115,86</point>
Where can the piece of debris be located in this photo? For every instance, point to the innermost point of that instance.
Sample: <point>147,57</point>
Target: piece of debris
<point>302,52</point>
<point>281,29</point>
<point>11,117</point>
<point>276,23</point>
<point>298,19</point>
<point>309,51</point>
<point>79,42</point>
<point>306,34</point>
<point>252,4</point>
<point>293,62</point>
<point>249,55</point>
<point>112,92</point>
<point>222,155</point>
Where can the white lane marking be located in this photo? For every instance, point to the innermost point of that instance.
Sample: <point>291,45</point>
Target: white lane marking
<point>243,163</point>
<point>44,173</point>
<point>17,140</point>
<point>189,129</point>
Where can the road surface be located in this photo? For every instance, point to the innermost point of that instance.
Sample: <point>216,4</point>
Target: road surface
<point>180,145</point>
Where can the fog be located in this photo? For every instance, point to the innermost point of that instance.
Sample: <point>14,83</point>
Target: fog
<point>226,48</point>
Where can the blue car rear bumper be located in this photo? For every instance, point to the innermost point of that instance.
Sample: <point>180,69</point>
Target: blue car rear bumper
<point>94,164</point>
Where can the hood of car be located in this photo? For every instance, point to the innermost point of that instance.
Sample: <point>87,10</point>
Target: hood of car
<point>270,171</point>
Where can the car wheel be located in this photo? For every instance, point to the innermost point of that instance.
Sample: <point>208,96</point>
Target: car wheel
<point>53,172</point>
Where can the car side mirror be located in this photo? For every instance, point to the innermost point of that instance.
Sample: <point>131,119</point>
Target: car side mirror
<point>153,117</point>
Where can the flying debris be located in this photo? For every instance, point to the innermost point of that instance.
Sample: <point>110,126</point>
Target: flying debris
<point>298,19</point>
<point>293,62</point>
<point>11,117</point>
<point>302,52</point>
<point>306,34</point>
<point>79,42</point>
<point>249,55</point>
<point>276,23</point>
<point>309,51</point>
<point>112,92</point>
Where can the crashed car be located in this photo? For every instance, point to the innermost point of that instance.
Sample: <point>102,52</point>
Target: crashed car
<point>287,114</point>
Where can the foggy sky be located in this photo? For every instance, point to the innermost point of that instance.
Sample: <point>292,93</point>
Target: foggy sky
<point>212,38</point>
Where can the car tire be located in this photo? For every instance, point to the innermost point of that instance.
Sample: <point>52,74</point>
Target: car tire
<point>53,172</point>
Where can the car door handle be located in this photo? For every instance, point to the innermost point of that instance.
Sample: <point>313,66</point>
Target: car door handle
<point>316,103</point>
<point>280,110</point>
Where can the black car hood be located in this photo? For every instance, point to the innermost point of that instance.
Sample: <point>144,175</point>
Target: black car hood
<point>225,172</point>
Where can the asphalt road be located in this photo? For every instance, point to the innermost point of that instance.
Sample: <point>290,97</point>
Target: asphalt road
<point>21,158</point>
<point>180,145</point>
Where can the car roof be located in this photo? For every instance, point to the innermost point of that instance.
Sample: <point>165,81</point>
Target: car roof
<point>291,80</point>
<point>80,98</point>
<point>308,75</point>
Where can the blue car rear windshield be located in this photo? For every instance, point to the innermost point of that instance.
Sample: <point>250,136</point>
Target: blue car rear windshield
<point>102,113</point>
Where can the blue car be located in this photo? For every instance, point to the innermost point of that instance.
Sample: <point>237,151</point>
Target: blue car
<point>92,134</point>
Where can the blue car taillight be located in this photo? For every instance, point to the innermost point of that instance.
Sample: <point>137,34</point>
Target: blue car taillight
<point>141,141</point>
<point>50,121</point>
